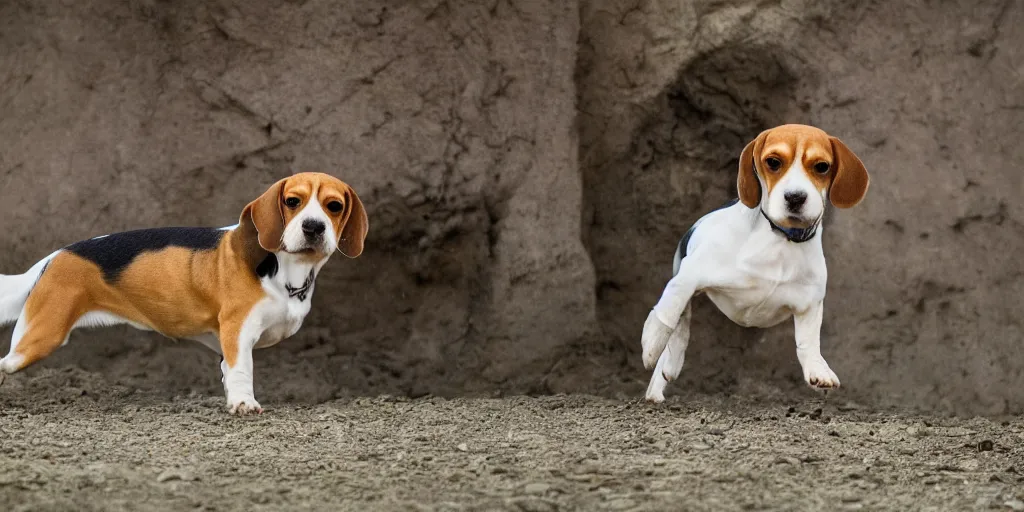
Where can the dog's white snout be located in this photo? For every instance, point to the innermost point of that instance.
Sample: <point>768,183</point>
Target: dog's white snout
<point>796,198</point>
<point>310,229</point>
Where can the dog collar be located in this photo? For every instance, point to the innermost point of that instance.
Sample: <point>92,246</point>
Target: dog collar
<point>302,291</point>
<point>795,235</point>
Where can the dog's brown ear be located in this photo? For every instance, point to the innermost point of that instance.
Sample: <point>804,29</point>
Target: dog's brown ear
<point>267,217</point>
<point>353,234</point>
<point>851,180</point>
<point>747,183</point>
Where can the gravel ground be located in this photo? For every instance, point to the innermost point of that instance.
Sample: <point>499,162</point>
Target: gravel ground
<point>74,442</point>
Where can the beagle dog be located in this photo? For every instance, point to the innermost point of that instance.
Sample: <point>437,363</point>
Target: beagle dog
<point>233,289</point>
<point>759,259</point>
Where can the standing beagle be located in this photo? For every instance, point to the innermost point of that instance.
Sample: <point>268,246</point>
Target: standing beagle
<point>233,289</point>
<point>760,260</point>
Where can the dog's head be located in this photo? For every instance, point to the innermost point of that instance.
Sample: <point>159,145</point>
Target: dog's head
<point>789,171</point>
<point>309,214</point>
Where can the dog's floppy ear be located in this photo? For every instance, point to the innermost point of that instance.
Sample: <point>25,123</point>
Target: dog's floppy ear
<point>267,217</point>
<point>747,183</point>
<point>353,234</point>
<point>851,180</point>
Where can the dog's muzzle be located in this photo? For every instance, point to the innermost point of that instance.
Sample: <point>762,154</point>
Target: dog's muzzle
<point>312,236</point>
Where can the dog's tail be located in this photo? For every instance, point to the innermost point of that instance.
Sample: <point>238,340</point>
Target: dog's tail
<point>14,290</point>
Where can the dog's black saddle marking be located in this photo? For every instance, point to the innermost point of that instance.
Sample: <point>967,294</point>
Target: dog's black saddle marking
<point>116,251</point>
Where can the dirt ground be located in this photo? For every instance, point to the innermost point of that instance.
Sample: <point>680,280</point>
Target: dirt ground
<point>73,442</point>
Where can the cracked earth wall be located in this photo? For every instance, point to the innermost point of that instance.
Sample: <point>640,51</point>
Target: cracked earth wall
<point>528,168</point>
<point>925,278</point>
<point>453,121</point>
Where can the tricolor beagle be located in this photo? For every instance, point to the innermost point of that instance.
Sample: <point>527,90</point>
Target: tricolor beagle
<point>233,289</point>
<point>759,260</point>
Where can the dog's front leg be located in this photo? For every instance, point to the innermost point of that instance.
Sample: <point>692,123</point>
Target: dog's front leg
<point>665,315</point>
<point>808,349</point>
<point>237,341</point>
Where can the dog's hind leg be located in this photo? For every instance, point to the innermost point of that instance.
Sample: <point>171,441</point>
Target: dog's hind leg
<point>670,364</point>
<point>43,326</point>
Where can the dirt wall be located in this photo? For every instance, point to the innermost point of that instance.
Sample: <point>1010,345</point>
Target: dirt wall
<point>925,281</point>
<point>453,121</point>
<point>528,168</point>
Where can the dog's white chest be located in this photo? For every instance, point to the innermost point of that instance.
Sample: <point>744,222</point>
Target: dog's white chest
<point>766,290</point>
<point>281,316</point>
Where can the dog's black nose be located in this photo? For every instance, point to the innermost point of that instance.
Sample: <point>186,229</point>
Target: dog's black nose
<point>313,228</point>
<point>795,199</point>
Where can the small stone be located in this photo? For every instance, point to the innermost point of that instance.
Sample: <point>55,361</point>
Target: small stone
<point>176,474</point>
<point>537,488</point>
<point>787,460</point>
<point>907,451</point>
<point>700,446</point>
<point>463,447</point>
<point>1015,504</point>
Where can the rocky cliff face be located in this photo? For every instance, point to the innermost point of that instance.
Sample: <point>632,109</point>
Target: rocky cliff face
<point>528,168</point>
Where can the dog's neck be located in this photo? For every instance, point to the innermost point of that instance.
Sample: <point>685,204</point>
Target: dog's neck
<point>290,274</point>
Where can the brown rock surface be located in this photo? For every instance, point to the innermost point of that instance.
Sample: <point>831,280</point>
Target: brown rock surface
<point>528,168</point>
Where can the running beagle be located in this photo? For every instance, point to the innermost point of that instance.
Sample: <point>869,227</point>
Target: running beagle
<point>233,289</point>
<point>759,259</point>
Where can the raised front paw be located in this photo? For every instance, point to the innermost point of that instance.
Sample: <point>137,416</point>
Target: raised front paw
<point>819,376</point>
<point>244,405</point>
<point>654,339</point>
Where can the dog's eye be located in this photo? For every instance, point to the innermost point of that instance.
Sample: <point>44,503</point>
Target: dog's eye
<point>821,167</point>
<point>335,206</point>
<point>773,163</point>
<point>292,202</point>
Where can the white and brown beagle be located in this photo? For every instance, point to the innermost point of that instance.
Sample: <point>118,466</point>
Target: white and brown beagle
<point>759,259</point>
<point>233,289</point>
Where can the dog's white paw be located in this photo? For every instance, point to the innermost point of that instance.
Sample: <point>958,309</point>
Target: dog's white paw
<point>654,396</point>
<point>656,389</point>
<point>654,339</point>
<point>244,405</point>
<point>818,375</point>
